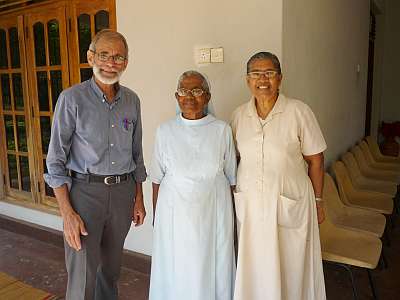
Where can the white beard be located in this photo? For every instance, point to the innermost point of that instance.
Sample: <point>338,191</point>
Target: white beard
<point>105,80</point>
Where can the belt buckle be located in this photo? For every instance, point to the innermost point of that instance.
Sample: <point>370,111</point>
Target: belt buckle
<point>117,180</point>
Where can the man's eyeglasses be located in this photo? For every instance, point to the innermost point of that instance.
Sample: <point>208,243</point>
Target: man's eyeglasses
<point>182,92</point>
<point>104,57</point>
<point>257,74</point>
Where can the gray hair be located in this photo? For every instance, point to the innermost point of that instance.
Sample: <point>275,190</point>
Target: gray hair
<point>205,85</point>
<point>265,55</point>
<point>108,34</point>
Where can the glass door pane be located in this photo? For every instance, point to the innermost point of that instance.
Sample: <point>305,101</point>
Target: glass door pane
<point>3,49</point>
<point>90,19</point>
<point>17,160</point>
<point>47,54</point>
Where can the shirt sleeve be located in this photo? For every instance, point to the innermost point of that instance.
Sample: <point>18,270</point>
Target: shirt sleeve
<point>157,167</point>
<point>137,149</point>
<point>230,157</point>
<point>62,129</point>
<point>311,139</point>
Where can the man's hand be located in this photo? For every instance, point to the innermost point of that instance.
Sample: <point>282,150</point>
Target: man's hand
<point>73,224</point>
<point>73,228</point>
<point>139,212</point>
<point>320,212</point>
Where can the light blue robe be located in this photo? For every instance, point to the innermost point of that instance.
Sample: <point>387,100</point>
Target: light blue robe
<point>194,162</point>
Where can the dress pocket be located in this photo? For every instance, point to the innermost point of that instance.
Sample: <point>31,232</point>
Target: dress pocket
<point>239,205</point>
<point>290,212</point>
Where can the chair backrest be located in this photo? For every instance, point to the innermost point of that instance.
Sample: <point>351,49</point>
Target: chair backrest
<point>333,205</point>
<point>351,165</point>
<point>343,180</point>
<point>367,153</point>
<point>360,158</point>
<point>374,147</point>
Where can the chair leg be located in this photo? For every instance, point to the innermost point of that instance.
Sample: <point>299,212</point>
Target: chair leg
<point>397,204</point>
<point>397,200</point>
<point>385,237</point>
<point>382,261</point>
<point>393,220</point>
<point>389,221</point>
<point>371,283</point>
<point>353,283</point>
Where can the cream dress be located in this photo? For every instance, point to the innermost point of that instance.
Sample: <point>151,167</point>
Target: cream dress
<point>279,253</point>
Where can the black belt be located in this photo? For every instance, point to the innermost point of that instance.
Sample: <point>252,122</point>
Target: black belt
<point>106,179</point>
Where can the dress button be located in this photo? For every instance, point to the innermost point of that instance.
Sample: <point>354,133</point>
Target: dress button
<point>112,125</point>
<point>112,145</point>
<point>113,162</point>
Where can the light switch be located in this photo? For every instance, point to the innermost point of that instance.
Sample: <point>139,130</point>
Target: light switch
<point>203,56</point>
<point>217,55</point>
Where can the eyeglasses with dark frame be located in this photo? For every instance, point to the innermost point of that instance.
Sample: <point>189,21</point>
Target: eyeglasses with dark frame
<point>182,92</point>
<point>269,74</point>
<point>104,57</point>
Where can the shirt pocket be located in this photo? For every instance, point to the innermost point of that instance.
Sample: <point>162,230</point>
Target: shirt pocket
<point>290,212</point>
<point>127,126</point>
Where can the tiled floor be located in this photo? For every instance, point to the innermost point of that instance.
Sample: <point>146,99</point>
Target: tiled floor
<point>42,265</point>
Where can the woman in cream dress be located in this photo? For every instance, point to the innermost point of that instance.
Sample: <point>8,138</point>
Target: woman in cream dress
<point>279,184</point>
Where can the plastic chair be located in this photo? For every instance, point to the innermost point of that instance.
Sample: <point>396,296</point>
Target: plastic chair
<point>370,172</point>
<point>366,183</point>
<point>374,201</point>
<point>373,163</point>
<point>352,218</point>
<point>347,248</point>
<point>377,154</point>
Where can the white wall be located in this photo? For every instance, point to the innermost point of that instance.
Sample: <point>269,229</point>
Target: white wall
<point>390,101</point>
<point>320,46</point>
<point>162,36</point>
<point>378,5</point>
<point>323,42</point>
<point>30,215</point>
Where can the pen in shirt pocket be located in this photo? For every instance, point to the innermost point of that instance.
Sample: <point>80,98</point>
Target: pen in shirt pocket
<point>126,123</point>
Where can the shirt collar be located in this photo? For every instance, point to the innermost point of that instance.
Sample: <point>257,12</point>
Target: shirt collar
<point>100,93</point>
<point>209,118</point>
<point>279,106</point>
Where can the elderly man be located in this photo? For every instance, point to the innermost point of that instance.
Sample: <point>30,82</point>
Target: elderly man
<point>95,166</point>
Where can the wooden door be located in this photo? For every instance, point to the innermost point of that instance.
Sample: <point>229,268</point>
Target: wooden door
<point>18,160</point>
<point>46,45</point>
<point>87,18</point>
<point>42,51</point>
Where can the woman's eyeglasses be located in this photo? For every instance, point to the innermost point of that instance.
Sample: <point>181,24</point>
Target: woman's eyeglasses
<point>182,92</point>
<point>258,74</point>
